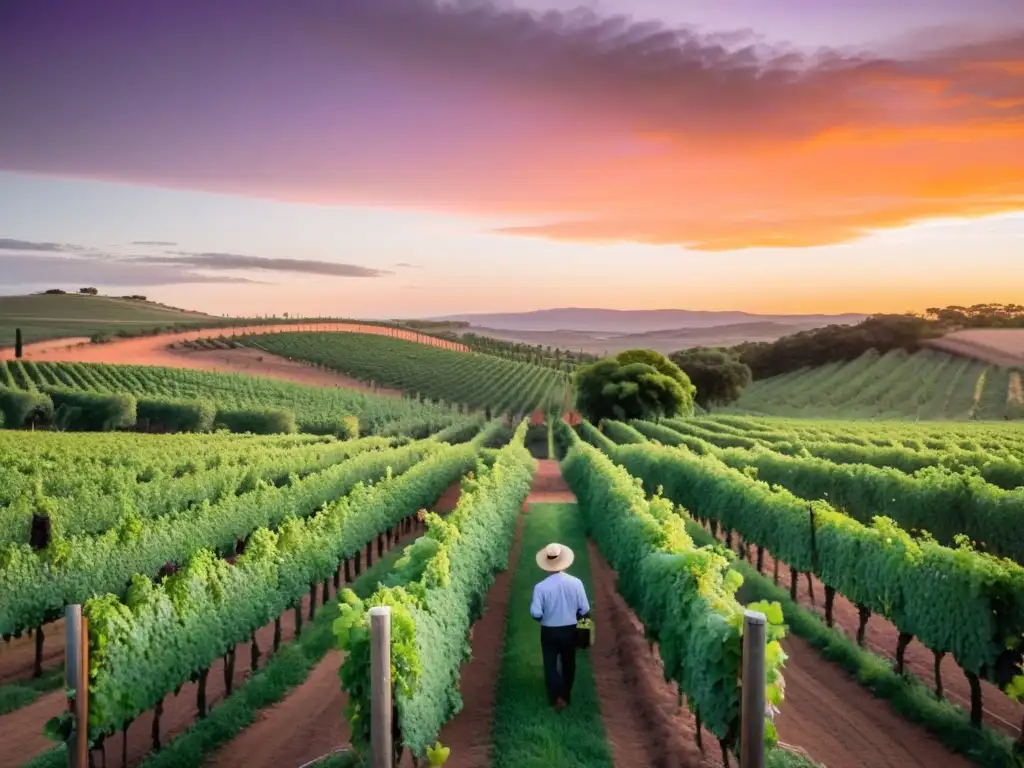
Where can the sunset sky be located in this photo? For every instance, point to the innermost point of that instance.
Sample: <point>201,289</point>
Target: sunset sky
<point>411,157</point>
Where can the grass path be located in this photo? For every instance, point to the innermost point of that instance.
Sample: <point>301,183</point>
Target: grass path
<point>527,732</point>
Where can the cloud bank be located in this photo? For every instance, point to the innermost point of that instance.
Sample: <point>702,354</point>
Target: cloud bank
<point>586,127</point>
<point>235,261</point>
<point>39,261</point>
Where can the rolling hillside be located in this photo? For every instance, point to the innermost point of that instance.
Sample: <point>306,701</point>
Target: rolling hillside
<point>926,385</point>
<point>55,316</point>
<point>635,321</point>
<point>607,331</point>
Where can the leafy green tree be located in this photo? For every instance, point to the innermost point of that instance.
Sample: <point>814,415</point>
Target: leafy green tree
<point>636,384</point>
<point>719,377</point>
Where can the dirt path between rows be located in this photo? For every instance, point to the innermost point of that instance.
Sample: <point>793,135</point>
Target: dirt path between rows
<point>825,712</point>
<point>841,725</point>
<point>640,710</point>
<point>469,732</point>
<point>310,721</point>
<point>21,731</point>
<point>1000,712</point>
<point>152,350</point>
<point>18,657</point>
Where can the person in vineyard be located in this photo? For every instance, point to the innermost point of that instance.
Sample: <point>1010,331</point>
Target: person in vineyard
<point>559,601</point>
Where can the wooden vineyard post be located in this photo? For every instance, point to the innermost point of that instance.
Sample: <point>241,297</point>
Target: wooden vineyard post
<point>76,677</point>
<point>752,709</point>
<point>381,751</point>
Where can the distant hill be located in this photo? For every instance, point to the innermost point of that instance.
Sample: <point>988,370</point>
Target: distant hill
<point>637,320</point>
<point>597,331</point>
<point>599,342</point>
<point>55,316</point>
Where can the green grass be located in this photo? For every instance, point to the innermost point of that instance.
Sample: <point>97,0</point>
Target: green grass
<point>43,317</point>
<point>527,732</point>
<point>925,385</point>
<point>285,670</point>
<point>17,695</point>
<point>910,697</point>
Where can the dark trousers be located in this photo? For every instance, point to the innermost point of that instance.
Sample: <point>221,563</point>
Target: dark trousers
<point>558,645</point>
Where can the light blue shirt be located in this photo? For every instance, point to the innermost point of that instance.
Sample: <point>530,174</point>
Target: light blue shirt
<point>558,600</point>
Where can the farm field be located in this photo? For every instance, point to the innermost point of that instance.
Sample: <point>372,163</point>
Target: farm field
<point>808,519</point>
<point>928,385</point>
<point>248,540</point>
<point>1000,346</point>
<point>43,317</point>
<point>480,381</point>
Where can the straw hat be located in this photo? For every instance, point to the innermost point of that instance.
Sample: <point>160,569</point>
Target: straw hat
<point>555,558</point>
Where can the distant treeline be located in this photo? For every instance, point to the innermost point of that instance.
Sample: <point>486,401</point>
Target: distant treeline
<point>838,343</point>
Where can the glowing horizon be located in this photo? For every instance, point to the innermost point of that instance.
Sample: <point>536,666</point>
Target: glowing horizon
<point>636,163</point>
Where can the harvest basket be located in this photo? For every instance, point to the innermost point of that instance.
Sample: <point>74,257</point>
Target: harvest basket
<point>584,633</point>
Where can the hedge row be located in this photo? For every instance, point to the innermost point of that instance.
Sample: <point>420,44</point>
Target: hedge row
<point>163,635</point>
<point>957,601</point>
<point>684,595</point>
<point>83,411</point>
<point>37,585</point>
<point>944,502</point>
<point>436,593</point>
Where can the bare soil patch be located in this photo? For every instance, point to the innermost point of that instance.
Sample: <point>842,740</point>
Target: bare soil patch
<point>152,350</point>
<point>258,363</point>
<point>18,656</point>
<point>549,486</point>
<point>998,346</point>
<point>155,350</point>
<point>841,725</point>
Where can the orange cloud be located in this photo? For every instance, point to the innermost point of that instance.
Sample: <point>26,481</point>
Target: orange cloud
<point>574,125</point>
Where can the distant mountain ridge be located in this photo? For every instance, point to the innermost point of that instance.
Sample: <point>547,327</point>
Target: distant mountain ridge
<point>638,321</point>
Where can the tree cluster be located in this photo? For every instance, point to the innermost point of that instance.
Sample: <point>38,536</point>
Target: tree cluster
<point>835,343</point>
<point>883,333</point>
<point>635,384</point>
<point>718,376</point>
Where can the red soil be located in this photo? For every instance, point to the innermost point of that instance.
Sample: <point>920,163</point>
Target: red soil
<point>1000,712</point>
<point>548,485</point>
<point>17,657</point>
<point>841,724</point>
<point>21,731</point>
<point>152,350</point>
<point>640,710</point>
<point>310,722</point>
<point>825,713</point>
<point>258,363</point>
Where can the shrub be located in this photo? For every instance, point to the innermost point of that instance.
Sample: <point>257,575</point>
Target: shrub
<point>346,428</point>
<point>165,415</point>
<point>92,411</point>
<point>258,421</point>
<point>20,408</point>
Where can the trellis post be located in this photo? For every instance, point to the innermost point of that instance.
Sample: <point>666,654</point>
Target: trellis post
<point>381,748</point>
<point>76,677</point>
<point>752,710</point>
